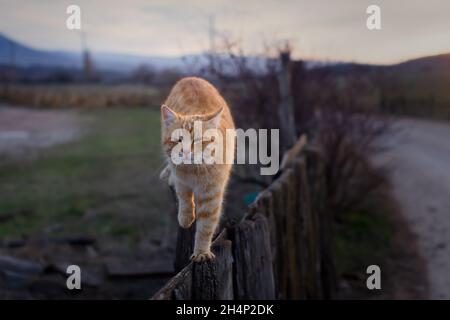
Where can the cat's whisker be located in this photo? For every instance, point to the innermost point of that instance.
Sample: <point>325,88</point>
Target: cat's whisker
<point>159,169</point>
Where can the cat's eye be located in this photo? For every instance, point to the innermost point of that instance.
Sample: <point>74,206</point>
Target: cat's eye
<point>180,139</point>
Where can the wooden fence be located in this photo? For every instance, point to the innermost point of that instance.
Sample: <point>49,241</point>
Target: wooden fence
<point>282,249</point>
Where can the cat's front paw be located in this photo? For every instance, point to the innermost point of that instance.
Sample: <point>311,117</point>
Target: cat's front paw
<point>185,220</point>
<point>202,256</point>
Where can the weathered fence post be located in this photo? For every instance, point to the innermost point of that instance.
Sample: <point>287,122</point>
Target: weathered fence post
<point>279,231</point>
<point>286,107</point>
<point>184,247</point>
<point>317,182</point>
<point>294,233</point>
<point>213,280</point>
<point>287,256</point>
<point>253,270</point>
<point>309,237</point>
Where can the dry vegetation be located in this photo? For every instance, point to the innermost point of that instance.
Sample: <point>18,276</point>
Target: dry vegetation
<point>80,95</point>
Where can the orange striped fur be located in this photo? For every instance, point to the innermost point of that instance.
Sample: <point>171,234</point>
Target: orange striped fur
<point>200,188</point>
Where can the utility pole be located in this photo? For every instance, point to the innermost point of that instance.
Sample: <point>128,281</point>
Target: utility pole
<point>83,41</point>
<point>212,45</point>
<point>286,107</point>
<point>212,33</point>
<point>88,66</point>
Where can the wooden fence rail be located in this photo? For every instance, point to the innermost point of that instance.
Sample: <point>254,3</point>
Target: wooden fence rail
<point>282,249</point>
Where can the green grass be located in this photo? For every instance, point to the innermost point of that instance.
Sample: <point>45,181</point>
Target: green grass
<point>361,240</point>
<point>418,93</point>
<point>104,185</point>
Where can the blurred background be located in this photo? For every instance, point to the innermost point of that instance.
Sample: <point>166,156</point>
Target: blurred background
<point>80,148</point>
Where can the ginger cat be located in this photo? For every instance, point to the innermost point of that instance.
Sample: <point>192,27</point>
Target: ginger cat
<point>200,188</point>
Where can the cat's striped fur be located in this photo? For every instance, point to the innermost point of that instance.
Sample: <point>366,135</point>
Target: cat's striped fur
<point>200,188</point>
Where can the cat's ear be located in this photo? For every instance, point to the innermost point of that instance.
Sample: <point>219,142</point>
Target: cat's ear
<point>168,115</point>
<point>214,118</point>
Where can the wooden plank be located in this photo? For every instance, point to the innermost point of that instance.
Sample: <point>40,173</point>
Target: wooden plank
<point>294,254</point>
<point>184,247</point>
<point>286,257</point>
<point>278,213</point>
<point>308,242</point>
<point>310,247</point>
<point>267,204</point>
<point>317,184</point>
<point>282,202</point>
<point>253,270</point>
<point>213,280</point>
<point>178,288</point>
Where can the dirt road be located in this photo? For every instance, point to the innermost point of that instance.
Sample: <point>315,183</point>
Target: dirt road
<point>23,130</point>
<point>420,161</point>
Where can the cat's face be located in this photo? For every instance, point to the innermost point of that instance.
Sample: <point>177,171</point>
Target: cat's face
<point>171,121</point>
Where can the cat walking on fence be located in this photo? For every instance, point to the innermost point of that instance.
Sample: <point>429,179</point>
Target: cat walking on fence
<point>200,187</point>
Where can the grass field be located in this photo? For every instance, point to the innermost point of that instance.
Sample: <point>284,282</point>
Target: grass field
<point>105,185</point>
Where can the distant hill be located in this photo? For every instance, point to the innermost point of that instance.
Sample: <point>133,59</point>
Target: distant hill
<point>21,55</point>
<point>25,56</point>
<point>436,63</point>
<point>439,64</point>
<point>421,86</point>
<point>418,87</point>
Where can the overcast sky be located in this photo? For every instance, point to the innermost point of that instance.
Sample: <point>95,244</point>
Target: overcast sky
<point>318,29</point>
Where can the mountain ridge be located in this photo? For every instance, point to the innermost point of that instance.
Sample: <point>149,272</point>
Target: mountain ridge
<point>19,54</point>
<point>15,53</point>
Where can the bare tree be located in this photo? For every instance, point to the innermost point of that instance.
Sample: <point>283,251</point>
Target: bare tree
<point>286,107</point>
<point>144,73</point>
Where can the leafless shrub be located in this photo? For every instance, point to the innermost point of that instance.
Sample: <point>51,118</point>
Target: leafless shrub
<point>348,128</point>
<point>80,95</point>
<point>337,110</point>
<point>249,82</point>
